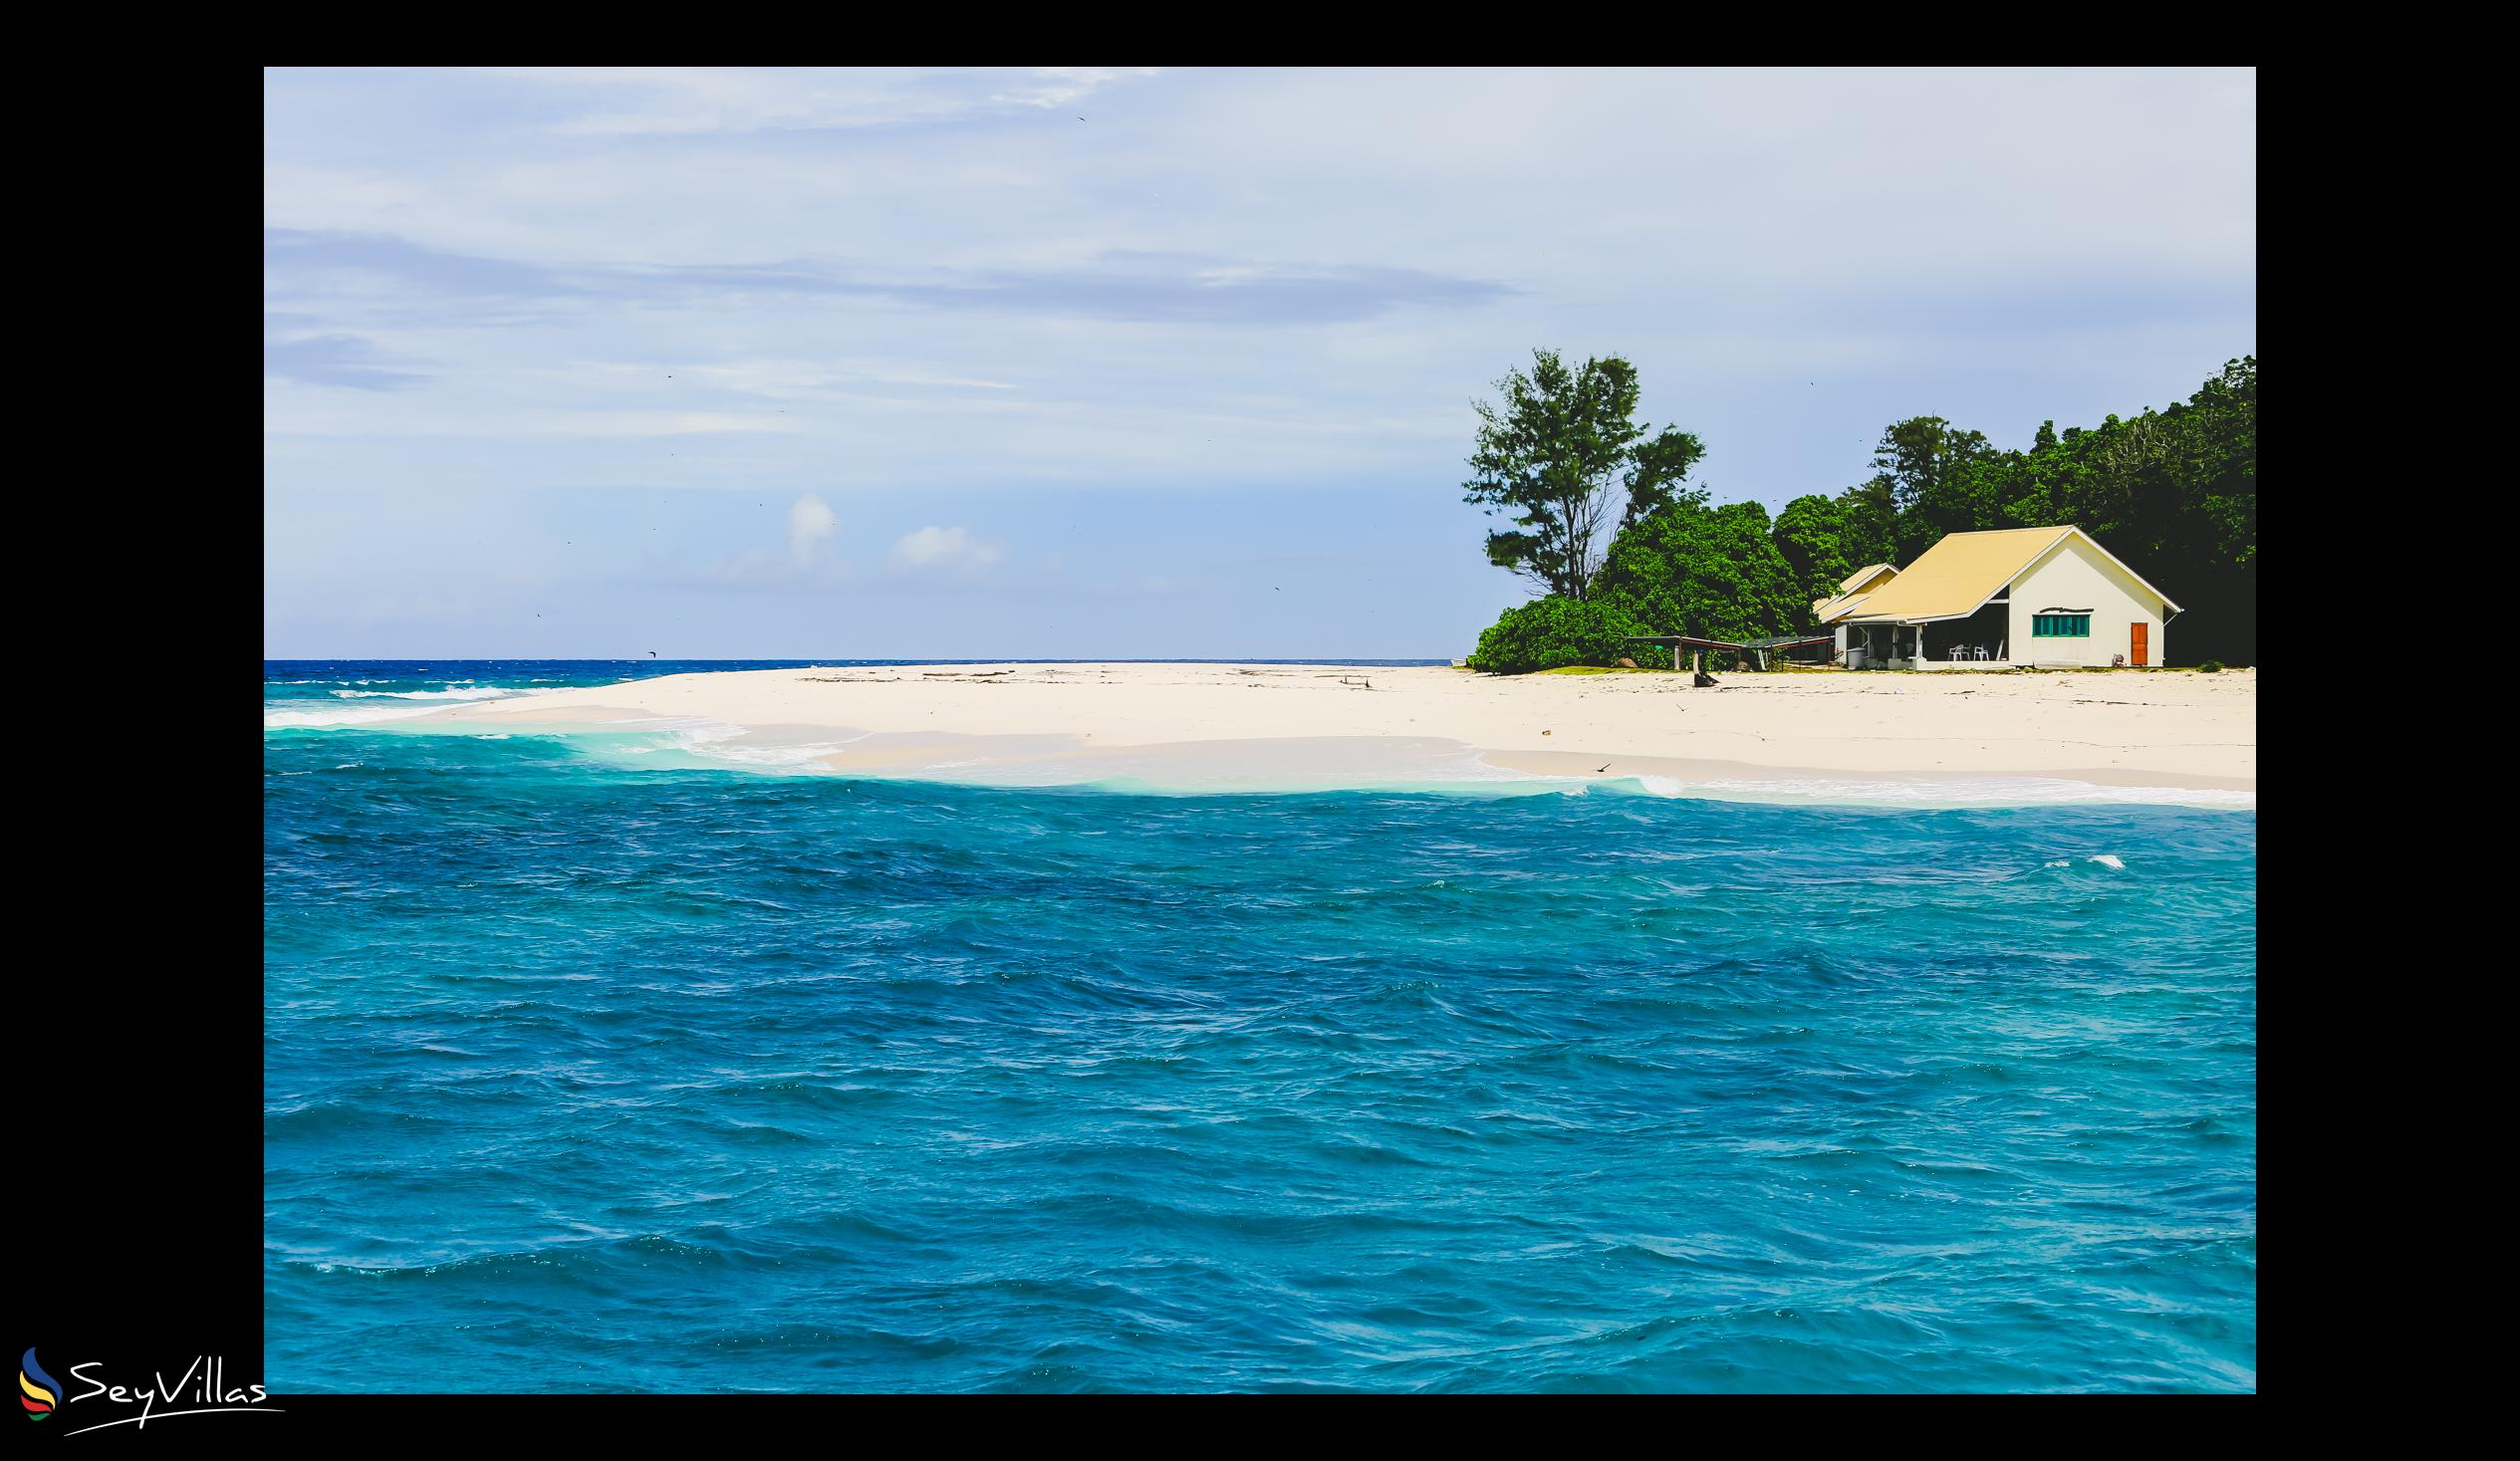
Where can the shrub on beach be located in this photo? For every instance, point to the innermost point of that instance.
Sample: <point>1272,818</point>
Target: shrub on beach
<point>1551,633</point>
<point>2210,666</point>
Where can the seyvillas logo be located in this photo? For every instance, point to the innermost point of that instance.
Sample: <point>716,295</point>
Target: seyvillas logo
<point>204,1388</point>
<point>37,1391</point>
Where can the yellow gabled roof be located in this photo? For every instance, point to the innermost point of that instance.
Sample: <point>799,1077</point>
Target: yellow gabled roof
<point>1956,575</point>
<point>1852,591</point>
<point>1829,611</point>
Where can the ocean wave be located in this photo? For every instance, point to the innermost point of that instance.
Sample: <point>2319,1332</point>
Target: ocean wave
<point>451,692</point>
<point>1937,792</point>
<point>307,715</point>
<point>805,757</point>
<point>1922,794</point>
<point>340,716</point>
<point>742,1081</point>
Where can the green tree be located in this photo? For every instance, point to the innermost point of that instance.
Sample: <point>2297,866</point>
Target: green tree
<point>1548,633</point>
<point>1938,477</point>
<point>1709,572</point>
<point>1869,533</point>
<point>2172,493</point>
<point>1814,536</point>
<point>1568,465</point>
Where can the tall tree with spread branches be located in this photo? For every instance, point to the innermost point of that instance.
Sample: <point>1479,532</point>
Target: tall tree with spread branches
<point>1567,460</point>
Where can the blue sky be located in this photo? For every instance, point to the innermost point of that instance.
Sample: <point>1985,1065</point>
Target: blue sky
<point>1106,362</point>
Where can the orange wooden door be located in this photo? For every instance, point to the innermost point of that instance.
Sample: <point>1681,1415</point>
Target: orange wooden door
<point>2142,634</point>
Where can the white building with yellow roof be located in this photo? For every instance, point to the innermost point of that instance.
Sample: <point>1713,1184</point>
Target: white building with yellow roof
<point>2014,597</point>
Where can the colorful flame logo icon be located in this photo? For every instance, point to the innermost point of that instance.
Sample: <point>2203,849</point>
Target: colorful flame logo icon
<point>40,1392</point>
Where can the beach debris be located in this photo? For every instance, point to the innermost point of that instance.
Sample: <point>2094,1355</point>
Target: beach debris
<point>1544,733</point>
<point>1704,681</point>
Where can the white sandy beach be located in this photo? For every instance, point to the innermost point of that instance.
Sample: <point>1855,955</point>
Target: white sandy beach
<point>1043,722</point>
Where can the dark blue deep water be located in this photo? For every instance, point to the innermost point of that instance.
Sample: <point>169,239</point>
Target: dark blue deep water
<point>581,1076</point>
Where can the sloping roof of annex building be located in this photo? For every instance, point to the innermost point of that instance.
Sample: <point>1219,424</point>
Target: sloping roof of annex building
<point>1956,577</point>
<point>1852,591</point>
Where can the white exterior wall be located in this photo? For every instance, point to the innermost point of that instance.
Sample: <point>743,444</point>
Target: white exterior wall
<point>2074,576</point>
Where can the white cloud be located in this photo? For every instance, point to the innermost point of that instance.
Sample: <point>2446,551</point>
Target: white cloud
<point>811,523</point>
<point>943,548</point>
<point>1060,85</point>
<point>1227,279</point>
<point>1220,288</point>
<point>683,101</point>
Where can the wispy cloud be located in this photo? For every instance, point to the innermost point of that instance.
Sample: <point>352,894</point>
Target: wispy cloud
<point>810,524</point>
<point>1065,86</point>
<point>1118,286</point>
<point>333,359</point>
<point>658,423</point>
<point>632,102</point>
<point>1243,301</point>
<point>947,549</point>
<point>306,259</point>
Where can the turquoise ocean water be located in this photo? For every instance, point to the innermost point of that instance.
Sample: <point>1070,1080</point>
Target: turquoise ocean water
<point>593,1066</point>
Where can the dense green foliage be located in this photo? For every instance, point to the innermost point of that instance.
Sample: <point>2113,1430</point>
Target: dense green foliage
<point>1711,572</point>
<point>1549,633</point>
<point>1566,450</point>
<point>1825,539</point>
<point>2172,493</point>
